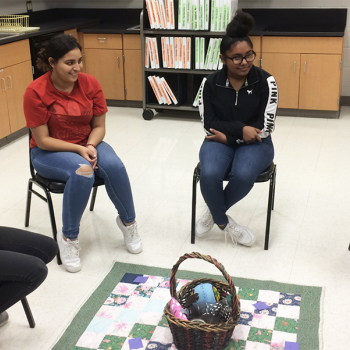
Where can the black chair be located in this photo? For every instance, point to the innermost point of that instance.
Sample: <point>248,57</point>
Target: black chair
<point>28,312</point>
<point>268,174</point>
<point>51,186</point>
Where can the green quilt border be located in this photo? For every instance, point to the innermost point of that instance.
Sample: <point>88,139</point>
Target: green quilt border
<point>309,321</point>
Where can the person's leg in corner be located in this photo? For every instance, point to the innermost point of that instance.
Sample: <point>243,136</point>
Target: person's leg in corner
<point>117,183</point>
<point>79,177</point>
<point>248,163</point>
<point>23,259</point>
<point>216,160</point>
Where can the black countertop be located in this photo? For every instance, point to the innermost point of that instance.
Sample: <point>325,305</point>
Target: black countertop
<point>269,22</point>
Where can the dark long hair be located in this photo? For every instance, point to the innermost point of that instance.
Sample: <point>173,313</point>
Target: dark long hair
<point>237,30</point>
<point>57,47</point>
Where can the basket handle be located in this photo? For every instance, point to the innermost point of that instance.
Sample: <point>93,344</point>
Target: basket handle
<point>209,259</point>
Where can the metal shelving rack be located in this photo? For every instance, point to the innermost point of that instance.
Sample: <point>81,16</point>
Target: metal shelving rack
<point>148,107</point>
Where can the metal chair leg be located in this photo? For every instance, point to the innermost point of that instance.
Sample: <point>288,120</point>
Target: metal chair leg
<point>28,312</point>
<point>93,198</point>
<point>274,177</point>
<point>29,201</point>
<point>268,219</point>
<point>194,202</point>
<point>53,222</point>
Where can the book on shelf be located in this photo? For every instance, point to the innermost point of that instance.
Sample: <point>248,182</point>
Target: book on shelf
<point>154,86</point>
<point>155,52</point>
<point>162,90</point>
<point>150,13</point>
<point>151,53</point>
<point>167,51</point>
<point>164,56</point>
<point>163,94</point>
<point>162,14</point>
<point>176,53</point>
<point>184,49</point>
<point>169,91</point>
<point>209,50</point>
<point>196,53</point>
<point>172,53</point>
<point>147,58</point>
<point>188,53</point>
<point>201,53</point>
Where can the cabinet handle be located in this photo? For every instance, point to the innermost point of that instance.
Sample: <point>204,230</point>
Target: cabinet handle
<point>10,87</point>
<point>4,84</point>
<point>304,67</point>
<point>118,61</point>
<point>101,38</point>
<point>295,64</point>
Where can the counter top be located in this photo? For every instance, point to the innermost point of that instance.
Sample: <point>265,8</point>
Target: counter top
<point>111,28</point>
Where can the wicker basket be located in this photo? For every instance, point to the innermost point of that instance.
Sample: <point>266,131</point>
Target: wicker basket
<point>189,335</point>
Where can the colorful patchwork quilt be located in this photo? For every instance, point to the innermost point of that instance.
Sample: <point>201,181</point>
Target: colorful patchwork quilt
<point>132,318</point>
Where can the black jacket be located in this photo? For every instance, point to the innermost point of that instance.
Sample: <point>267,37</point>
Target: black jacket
<point>223,108</point>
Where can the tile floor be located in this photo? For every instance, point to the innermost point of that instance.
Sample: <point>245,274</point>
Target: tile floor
<point>309,229</point>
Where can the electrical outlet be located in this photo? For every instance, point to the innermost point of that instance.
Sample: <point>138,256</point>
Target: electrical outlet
<point>29,6</point>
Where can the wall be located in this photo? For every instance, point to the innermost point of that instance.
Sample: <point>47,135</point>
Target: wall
<point>345,85</point>
<point>19,6</point>
<point>99,3</point>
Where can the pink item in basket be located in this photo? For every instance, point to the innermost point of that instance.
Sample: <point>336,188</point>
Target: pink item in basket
<point>176,308</point>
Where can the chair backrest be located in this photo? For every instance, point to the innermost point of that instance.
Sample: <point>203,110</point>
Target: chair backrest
<point>32,171</point>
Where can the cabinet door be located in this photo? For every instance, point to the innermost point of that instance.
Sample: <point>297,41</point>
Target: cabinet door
<point>133,75</point>
<point>4,118</point>
<point>319,82</point>
<point>18,77</point>
<point>72,32</point>
<point>107,67</point>
<point>256,40</point>
<point>285,68</point>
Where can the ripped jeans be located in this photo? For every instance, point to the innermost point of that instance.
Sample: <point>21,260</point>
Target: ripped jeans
<point>71,168</point>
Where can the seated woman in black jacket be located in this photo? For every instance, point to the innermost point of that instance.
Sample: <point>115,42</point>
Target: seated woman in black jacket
<point>238,107</point>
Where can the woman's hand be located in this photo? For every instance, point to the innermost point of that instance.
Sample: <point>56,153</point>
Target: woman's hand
<point>250,134</point>
<point>217,137</point>
<point>90,154</point>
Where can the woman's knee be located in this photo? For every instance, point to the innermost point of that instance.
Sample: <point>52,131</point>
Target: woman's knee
<point>38,273</point>
<point>84,170</point>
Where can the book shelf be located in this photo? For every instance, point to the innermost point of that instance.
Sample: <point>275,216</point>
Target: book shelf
<point>185,82</point>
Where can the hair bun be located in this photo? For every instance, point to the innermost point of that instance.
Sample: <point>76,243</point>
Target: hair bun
<point>42,62</point>
<point>241,25</point>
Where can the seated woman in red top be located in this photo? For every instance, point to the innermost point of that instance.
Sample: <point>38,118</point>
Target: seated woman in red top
<point>66,111</point>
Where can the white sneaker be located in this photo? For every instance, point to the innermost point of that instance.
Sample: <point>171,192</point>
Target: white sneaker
<point>131,237</point>
<point>204,224</point>
<point>4,318</point>
<point>239,234</point>
<point>69,252</point>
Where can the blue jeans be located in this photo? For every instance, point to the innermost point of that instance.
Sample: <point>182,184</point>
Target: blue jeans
<point>63,166</point>
<point>240,165</point>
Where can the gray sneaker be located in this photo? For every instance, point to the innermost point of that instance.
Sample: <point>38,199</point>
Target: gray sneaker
<point>204,224</point>
<point>131,237</point>
<point>4,318</point>
<point>239,234</point>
